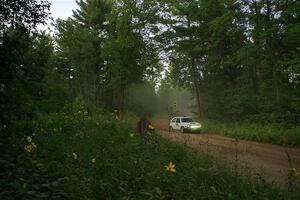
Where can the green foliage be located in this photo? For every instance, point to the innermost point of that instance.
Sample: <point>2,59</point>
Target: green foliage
<point>27,13</point>
<point>122,53</point>
<point>92,13</point>
<point>269,133</point>
<point>104,51</point>
<point>26,64</point>
<point>79,58</point>
<point>124,166</point>
<point>239,58</point>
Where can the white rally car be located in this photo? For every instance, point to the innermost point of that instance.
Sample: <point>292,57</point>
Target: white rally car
<point>184,124</point>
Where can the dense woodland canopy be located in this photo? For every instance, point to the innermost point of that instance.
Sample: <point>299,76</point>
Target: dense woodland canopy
<point>240,59</point>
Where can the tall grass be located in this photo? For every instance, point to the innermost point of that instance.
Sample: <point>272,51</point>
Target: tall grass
<point>272,133</point>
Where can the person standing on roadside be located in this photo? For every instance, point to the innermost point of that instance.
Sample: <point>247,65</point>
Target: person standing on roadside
<point>143,125</point>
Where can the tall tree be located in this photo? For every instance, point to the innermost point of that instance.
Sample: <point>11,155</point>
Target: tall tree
<point>27,13</point>
<point>236,55</point>
<point>21,71</point>
<point>108,49</point>
<point>122,53</point>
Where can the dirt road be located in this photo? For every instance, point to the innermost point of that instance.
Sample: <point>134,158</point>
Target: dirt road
<point>271,161</point>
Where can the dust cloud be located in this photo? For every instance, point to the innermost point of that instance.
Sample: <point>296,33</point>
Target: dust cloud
<point>166,100</point>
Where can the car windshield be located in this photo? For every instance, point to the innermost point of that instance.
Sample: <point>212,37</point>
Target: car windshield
<point>187,119</point>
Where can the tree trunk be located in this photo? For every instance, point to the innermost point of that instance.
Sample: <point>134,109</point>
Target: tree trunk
<point>196,87</point>
<point>195,80</point>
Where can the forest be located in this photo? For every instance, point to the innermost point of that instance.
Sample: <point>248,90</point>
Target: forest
<point>233,64</point>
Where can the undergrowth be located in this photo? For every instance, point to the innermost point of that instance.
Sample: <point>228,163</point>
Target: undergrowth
<point>82,154</point>
<point>273,133</point>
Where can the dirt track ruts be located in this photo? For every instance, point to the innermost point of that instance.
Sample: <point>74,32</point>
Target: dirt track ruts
<point>270,161</point>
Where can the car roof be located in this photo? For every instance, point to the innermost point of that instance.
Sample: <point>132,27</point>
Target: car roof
<point>181,117</point>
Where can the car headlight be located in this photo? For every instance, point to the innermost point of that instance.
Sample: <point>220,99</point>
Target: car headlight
<point>196,126</point>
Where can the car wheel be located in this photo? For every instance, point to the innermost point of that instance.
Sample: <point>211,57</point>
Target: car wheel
<point>182,130</point>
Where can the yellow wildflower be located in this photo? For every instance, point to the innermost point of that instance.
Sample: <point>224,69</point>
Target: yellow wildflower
<point>85,112</point>
<point>151,127</point>
<point>115,111</point>
<point>292,170</point>
<point>93,160</point>
<point>29,148</point>
<point>297,174</point>
<point>131,134</point>
<point>29,139</point>
<point>171,167</point>
<point>33,145</point>
<point>74,156</point>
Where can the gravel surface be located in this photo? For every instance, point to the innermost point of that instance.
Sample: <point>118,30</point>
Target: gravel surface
<point>270,161</point>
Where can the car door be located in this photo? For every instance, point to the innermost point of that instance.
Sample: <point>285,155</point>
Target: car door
<point>177,124</point>
<point>173,122</point>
